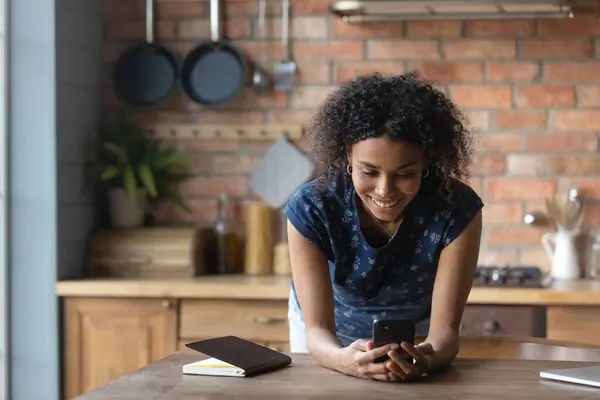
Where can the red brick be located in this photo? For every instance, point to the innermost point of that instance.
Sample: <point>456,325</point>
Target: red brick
<point>485,165</point>
<point>537,257</point>
<point>209,145</point>
<point>477,184</point>
<point>200,163</point>
<point>309,7</point>
<point>307,97</point>
<point>249,99</point>
<point>498,257</point>
<point>125,30</point>
<point>515,236</point>
<point>565,71</point>
<point>178,101</point>
<point>509,28</point>
<point>305,27</point>
<point>349,70</point>
<point>502,143</point>
<point>581,26</point>
<point>502,212</point>
<point>520,119</point>
<point>519,188</point>
<point>543,48</point>
<point>229,117</point>
<point>330,50</point>
<point>291,116</point>
<point>434,29</point>
<point>267,51</point>
<point>591,219</point>
<point>118,9</point>
<point>112,51</point>
<point>451,72</point>
<point>241,164</point>
<point>588,96</point>
<point>480,49</point>
<point>180,9</point>
<point>203,210</point>
<point>200,28</point>
<point>576,120</point>
<point>175,116</point>
<point>538,164</point>
<point>404,50</point>
<point>589,187</point>
<point>478,120</point>
<point>235,186</point>
<point>544,96</point>
<point>513,71</point>
<point>313,73</point>
<point>561,143</point>
<point>482,96</point>
<point>384,29</point>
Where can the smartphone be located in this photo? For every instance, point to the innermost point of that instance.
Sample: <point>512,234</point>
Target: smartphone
<point>386,331</point>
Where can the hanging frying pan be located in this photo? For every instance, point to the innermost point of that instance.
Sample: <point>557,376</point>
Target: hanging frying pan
<point>214,71</point>
<point>147,73</point>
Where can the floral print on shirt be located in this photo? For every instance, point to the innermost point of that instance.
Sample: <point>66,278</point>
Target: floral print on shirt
<point>394,280</point>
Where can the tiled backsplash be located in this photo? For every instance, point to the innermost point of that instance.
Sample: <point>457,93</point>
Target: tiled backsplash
<point>532,89</point>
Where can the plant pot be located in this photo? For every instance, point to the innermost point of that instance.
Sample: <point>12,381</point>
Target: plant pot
<point>123,213</point>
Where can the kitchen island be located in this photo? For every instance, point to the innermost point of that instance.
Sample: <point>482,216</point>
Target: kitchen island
<point>115,326</point>
<point>476,378</point>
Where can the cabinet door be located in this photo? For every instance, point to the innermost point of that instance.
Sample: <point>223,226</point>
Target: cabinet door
<point>574,324</point>
<point>107,338</point>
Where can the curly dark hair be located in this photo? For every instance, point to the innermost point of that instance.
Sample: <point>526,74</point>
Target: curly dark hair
<point>403,107</point>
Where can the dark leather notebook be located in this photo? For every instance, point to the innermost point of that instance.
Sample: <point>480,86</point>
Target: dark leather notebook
<point>233,356</point>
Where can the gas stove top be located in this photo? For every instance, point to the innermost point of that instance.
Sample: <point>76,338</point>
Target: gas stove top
<point>518,276</point>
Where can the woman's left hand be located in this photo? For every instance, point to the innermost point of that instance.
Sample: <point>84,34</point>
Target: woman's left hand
<point>402,370</point>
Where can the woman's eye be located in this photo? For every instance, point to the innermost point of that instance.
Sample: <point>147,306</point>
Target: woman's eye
<point>409,175</point>
<point>369,173</point>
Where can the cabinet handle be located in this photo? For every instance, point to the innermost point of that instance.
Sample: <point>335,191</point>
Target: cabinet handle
<point>268,320</point>
<point>167,303</point>
<point>491,326</point>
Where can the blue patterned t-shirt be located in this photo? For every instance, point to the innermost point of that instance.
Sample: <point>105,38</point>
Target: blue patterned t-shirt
<point>394,280</point>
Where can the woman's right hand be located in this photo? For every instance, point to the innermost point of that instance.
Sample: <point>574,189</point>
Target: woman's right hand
<point>358,360</point>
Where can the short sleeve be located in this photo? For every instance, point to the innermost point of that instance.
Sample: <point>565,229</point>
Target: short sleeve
<point>305,210</point>
<point>467,206</point>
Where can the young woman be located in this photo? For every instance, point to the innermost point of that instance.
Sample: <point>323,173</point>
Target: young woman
<point>388,229</point>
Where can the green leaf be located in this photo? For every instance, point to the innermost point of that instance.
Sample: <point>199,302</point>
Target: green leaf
<point>109,172</point>
<point>147,179</point>
<point>118,151</point>
<point>130,185</point>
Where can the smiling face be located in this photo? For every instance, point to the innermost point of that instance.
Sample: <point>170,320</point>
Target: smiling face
<point>386,175</point>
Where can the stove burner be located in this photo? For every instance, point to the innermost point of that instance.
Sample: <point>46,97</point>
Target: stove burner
<point>523,276</point>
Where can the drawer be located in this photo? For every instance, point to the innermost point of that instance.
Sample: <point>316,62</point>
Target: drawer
<point>256,320</point>
<point>482,320</point>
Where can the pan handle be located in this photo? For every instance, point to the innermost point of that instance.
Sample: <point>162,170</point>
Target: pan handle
<point>150,21</point>
<point>215,20</point>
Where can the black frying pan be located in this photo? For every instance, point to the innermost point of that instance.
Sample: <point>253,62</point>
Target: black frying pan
<point>214,71</point>
<point>147,73</point>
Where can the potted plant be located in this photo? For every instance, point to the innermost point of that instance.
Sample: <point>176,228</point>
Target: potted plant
<point>135,171</point>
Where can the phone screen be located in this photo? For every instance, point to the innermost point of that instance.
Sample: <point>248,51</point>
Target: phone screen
<point>386,331</point>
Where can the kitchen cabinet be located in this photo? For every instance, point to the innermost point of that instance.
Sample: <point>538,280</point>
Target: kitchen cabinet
<point>108,338</point>
<point>112,328</point>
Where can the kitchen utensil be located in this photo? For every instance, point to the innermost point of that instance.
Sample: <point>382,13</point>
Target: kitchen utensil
<point>260,78</point>
<point>536,218</point>
<point>214,72</point>
<point>286,69</point>
<point>281,172</point>
<point>227,241</point>
<point>146,73</point>
<point>259,239</point>
<point>565,210</point>
<point>561,249</point>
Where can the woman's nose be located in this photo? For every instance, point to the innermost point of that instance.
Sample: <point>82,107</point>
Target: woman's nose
<point>384,188</point>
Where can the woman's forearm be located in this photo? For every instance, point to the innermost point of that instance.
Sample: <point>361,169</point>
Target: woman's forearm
<point>324,347</point>
<point>445,345</point>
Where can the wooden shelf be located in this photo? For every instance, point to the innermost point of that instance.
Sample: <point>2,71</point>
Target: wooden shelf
<point>225,131</point>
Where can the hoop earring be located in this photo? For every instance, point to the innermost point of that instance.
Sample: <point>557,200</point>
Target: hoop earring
<point>349,169</point>
<point>426,173</point>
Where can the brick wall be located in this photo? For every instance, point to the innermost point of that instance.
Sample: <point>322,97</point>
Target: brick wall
<point>532,89</point>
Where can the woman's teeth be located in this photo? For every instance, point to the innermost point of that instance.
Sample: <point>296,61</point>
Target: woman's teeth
<point>387,204</point>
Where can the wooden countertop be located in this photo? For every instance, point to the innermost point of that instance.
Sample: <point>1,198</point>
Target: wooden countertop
<point>466,378</point>
<point>578,292</point>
